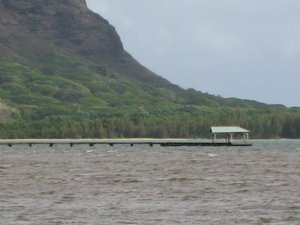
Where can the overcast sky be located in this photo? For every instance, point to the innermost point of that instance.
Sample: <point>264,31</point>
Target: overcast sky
<point>232,48</point>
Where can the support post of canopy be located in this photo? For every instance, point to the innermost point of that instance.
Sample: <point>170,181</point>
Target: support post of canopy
<point>214,138</point>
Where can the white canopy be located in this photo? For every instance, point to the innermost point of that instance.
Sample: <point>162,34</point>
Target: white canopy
<point>228,130</point>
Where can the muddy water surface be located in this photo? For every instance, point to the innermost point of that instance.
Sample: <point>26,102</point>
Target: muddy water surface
<point>144,185</point>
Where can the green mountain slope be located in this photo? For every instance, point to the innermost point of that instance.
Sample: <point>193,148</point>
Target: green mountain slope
<point>64,73</point>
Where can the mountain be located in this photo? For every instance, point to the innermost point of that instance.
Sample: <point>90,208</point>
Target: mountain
<point>64,73</point>
<point>28,26</point>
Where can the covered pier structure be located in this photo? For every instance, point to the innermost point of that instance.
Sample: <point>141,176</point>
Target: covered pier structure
<point>228,132</point>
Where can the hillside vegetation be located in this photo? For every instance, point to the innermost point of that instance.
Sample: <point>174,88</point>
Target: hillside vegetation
<point>80,99</point>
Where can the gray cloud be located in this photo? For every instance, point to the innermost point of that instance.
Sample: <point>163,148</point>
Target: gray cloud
<point>233,48</point>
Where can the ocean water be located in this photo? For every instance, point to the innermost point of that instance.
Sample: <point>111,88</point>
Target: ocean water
<point>151,185</point>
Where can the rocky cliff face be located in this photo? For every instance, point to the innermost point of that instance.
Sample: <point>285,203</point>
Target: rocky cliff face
<point>32,26</point>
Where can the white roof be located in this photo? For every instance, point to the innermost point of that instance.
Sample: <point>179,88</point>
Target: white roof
<point>228,129</point>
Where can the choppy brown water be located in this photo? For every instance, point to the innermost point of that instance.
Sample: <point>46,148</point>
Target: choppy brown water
<point>144,185</point>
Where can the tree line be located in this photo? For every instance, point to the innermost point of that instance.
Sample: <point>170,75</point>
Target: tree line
<point>190,124</point>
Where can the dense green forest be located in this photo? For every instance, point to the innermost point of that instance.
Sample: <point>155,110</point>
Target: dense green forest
<point>263,124</point>
<point>76,99</point>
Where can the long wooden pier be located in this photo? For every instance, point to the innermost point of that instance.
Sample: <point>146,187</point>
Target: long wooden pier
<point>112,142</point>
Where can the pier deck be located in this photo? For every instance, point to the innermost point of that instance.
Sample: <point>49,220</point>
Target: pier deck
<point>112,142</point>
